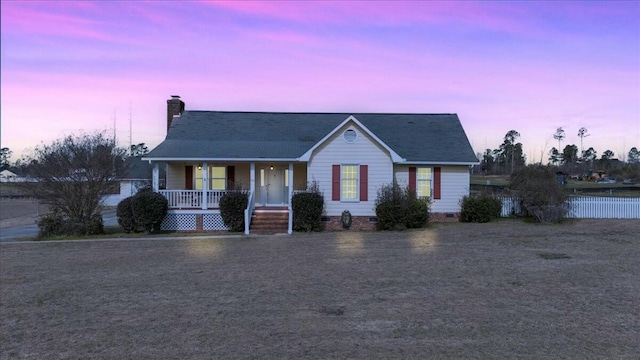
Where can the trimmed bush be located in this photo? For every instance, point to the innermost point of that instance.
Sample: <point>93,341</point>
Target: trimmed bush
<point>480,209</point>
<point>232,206</point>
<point>307,209</point>
<point>124,212</point>
<point>149,209</point>
<point>399,208</point>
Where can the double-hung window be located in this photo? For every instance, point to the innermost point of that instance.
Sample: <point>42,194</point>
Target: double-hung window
<point>218,178</point>
<point>349,183</point>
<point>423,181</point>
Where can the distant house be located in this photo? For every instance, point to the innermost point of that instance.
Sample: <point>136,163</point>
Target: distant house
<point>273,155</point>
<point>7,176</point>
<point>137,177</point>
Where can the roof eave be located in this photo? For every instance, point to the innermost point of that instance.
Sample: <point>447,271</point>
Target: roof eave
<point>440,163</point>
<point>156,159</point>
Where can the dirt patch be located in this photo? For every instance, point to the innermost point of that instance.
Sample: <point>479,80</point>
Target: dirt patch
<point>453,291</point>
<point>18,212</point>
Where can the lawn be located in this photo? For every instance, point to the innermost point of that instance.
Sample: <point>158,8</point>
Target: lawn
<point>508,289</point>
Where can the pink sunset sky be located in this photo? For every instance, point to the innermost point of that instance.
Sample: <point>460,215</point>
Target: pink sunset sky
<point>530,66</point>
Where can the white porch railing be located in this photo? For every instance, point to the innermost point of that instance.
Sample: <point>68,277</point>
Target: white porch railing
<point>587,207</point>
<point>189,199</point>
<point>213,198</point>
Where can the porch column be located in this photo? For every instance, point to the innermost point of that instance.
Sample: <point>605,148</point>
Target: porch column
<point>290,230</point>
<point>252,179</point>
<point>205,185</point>
<point>155,177</point>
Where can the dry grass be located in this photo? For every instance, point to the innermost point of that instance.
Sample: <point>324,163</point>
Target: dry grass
<point>454,291</point>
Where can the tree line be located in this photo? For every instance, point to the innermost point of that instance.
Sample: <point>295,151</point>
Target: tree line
<point>508,158</point>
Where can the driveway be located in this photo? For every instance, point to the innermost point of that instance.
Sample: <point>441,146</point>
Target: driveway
<point>30,231</point>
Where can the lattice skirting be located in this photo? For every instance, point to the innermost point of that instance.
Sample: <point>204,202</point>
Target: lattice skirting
<point>213,222</point>
<point>179,222</point>
<point>193,222</point>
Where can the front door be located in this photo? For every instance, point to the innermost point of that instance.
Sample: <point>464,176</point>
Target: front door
<point>272,186</point>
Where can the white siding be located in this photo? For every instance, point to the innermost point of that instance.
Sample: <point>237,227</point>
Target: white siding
<point>454,184</point>
<point>364,151</point>
<point>126,189</point>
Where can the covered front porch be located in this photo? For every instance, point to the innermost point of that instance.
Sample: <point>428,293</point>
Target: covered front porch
<point>193,187</point>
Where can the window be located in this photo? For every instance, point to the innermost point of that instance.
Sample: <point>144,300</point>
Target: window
<point>218,178</point>
<point>423,182</point>
<point>350,136</point>
<point>349,182</point>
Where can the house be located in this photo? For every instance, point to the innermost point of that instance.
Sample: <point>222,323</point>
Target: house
<point>138,176</point>
<point>273,155</point>
<point>7,175</point>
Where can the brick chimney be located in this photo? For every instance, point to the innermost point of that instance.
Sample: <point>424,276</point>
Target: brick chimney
<point>175,106</point>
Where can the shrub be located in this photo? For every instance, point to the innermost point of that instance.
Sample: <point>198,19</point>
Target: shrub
<point>542,197</point>
<point>51,224</point>
<point>124,212</point>
<point>307,209</point>
<point>418,214</point>
<point>92,226</point>
<point>399,209</point>
<point>480,209</point>
<point>232,206</point>
<point>149,209</point>
<point>55,224</point>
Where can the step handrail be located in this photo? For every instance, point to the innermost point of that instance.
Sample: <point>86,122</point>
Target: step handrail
<point>248,212</point>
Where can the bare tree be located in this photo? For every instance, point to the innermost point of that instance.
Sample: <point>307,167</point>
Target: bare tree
<point>73,173</point>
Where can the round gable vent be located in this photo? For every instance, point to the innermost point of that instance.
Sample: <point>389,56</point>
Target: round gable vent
<point>350,136</point>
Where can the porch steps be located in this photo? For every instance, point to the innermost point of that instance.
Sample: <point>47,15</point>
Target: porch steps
<point>269,221</point>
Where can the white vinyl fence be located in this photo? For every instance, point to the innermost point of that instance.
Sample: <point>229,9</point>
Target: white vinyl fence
<point>587,207</point>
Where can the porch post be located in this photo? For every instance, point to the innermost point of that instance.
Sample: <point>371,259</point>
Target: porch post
<point>155,177</point>
<point>205,185</point>
<point>290,229</point>
<point>252,178</point>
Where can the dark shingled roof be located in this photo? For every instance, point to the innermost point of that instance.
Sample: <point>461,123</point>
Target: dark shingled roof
<point>268,135</point>
<point>137,169</point>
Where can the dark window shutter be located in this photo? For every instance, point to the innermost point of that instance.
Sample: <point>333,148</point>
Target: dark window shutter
<point>231,177</point>
<point>437,173</point>
<point>188,177</point>
<point>412,178</point>
<point>335,182</point>
<point>364,182</point>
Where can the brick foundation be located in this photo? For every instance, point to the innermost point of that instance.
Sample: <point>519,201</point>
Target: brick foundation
<point>444,217</point>
<point>358,223</point>
<point>365,223</point>
<point>199,222</point>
